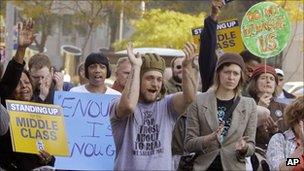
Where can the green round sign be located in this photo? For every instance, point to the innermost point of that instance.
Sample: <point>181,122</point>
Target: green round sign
<point>265,29</point>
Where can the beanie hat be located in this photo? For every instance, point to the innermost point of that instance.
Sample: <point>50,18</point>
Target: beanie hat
<point>230,58</point>
<point>98,58</point>
<point>152,62</point>
<point>260,69</point>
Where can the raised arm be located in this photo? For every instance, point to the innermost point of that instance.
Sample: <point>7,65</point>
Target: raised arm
<point>183,99</point>
<point>14,68</point>
<point>207,58</point>
<point>26,37</point>
<point>130,94</point>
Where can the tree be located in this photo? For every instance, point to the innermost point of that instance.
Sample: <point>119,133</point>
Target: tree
<point>2,8</point>
<point>42,12</point>
<point>293,8</point>
<point>234,9</point>
<point>129,9</point>
<point>91,14</point>
<point>96,13</point>
<point>162,28</point>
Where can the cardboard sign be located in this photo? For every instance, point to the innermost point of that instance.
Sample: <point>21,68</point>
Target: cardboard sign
<point>228,36</point>
<point>89,131</point>
<point>265,29</point>
<point>36,126</point>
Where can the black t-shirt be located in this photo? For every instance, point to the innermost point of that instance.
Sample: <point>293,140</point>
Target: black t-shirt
<point>223,106</point>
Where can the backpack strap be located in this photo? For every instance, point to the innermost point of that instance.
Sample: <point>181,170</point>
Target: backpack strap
<point>231,109</point>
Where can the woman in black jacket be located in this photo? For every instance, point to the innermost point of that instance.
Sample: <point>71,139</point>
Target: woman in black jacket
<point>10,160</point>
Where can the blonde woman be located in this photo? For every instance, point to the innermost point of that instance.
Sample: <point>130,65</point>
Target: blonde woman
<point>221,124</point>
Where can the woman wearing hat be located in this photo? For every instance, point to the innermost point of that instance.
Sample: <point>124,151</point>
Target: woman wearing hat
<point>262,88</point>
<point>222,124</point>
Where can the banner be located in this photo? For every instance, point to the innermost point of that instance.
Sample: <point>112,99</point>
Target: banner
<point>89,131</point>
<point>36,126</point>
<point>266,29</point>
<point>228,36</point>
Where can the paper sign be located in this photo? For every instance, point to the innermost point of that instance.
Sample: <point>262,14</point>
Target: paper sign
<point>228,36</point>
<point>36,126</point>
<point>89,131</point>
<point>265,29</point>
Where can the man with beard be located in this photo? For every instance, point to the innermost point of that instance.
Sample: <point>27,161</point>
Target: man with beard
<point>97,69</point>
<point>174,84</point>
<point>143,118</point>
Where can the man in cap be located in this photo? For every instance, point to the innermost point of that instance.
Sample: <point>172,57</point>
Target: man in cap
<point>97,69</point>
<point>174,84</point>
<point>143,118</point>
<point>281,93</point>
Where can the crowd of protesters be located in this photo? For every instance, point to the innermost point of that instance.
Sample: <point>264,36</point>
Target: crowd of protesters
<point>232,121</point>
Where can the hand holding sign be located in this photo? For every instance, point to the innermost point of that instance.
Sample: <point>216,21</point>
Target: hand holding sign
<point>45,157</point>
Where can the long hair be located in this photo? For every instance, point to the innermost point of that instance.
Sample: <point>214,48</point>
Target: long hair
<point>216,80</point>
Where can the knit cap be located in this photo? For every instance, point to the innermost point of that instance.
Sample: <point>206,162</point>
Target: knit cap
<point>260,69</point>
<point>152,62</point>
<point>98,58</point>
<point>230,58</point>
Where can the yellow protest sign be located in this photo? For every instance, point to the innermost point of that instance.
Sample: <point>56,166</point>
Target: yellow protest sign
<point>36,126</point>
<point>228,36</point>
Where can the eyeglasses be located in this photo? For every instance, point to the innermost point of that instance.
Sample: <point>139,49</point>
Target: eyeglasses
<point>178,67</point>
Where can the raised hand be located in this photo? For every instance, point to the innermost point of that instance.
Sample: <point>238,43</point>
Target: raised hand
<point>135,60</point>
<point>58,79</point>
<point>25,33</point>
<point>189,50</point>
<point>216,8</point>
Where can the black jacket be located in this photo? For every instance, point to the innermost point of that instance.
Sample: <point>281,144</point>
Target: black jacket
<point>13,161</point>
<point>207,59</point>
<point>10,79</point>
<point>288,95</point>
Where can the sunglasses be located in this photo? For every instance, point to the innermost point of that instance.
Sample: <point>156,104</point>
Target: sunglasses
<point>178,67</point>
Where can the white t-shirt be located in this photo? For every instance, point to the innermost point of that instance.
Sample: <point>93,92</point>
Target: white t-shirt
<point>82,89</point>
